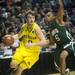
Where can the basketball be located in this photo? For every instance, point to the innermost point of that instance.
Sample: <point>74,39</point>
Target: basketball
<point>8,40</point>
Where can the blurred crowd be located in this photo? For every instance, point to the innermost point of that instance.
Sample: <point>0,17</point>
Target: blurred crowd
<point>12,14</point>
<point>12,17</point>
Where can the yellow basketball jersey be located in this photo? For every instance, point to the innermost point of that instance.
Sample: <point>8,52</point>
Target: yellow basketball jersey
<point>29,35</point>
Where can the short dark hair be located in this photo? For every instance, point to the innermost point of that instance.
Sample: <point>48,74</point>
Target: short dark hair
<point>30,12</point>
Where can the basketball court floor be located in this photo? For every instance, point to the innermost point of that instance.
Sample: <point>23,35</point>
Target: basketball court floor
<point>71,73</point>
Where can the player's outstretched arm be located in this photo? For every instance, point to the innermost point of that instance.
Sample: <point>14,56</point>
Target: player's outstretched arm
<point>60,11</point>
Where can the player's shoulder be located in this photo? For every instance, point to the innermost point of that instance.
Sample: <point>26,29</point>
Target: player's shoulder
<point>24,25</point>
<point>35,25</point>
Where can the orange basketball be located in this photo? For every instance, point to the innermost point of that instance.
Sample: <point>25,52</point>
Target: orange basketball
<point>8,40</point>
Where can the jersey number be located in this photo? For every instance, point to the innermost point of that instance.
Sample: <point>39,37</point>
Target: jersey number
<point>57,37</point>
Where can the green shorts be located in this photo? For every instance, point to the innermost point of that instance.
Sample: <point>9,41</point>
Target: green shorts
<point>70,48</point>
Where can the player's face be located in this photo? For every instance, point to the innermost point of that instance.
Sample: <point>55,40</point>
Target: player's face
<point>30,19</point>
<point>48,16</point>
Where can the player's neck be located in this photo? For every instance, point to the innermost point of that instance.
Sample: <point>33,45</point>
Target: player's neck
<point>60,22</point>
<point>29,28</point>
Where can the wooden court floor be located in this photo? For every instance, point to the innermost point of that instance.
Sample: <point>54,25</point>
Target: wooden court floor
<point>71,73</point>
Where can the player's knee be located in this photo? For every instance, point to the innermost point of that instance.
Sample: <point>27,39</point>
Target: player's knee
<point>63,55</point>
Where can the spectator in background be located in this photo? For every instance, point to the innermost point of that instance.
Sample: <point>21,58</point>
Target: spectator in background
<point>73,16</point>
<point>4,14</point>
<point>9,2</point>
<point>73,3</point>
<point>2,31</point>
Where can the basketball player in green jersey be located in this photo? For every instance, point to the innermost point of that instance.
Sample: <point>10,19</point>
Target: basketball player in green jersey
<point>60,36</point>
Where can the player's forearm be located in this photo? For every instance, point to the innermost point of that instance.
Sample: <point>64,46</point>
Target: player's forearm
<point>60,3</point>
<point>41,43</point>
<point>60,12</point>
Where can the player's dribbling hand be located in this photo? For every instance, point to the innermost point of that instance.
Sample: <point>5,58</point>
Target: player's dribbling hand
<point>28,45</point>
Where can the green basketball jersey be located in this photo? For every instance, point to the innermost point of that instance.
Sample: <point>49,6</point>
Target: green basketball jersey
<point>60,34</point>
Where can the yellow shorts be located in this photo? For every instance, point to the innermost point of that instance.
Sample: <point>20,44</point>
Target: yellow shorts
<point>24,58</point>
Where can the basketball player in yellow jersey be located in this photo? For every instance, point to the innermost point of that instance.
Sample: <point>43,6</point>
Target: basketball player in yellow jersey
<point>32,38</point>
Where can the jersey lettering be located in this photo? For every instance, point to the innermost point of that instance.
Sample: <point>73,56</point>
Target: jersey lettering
<point>68,35</point>
<point>55,34</point>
